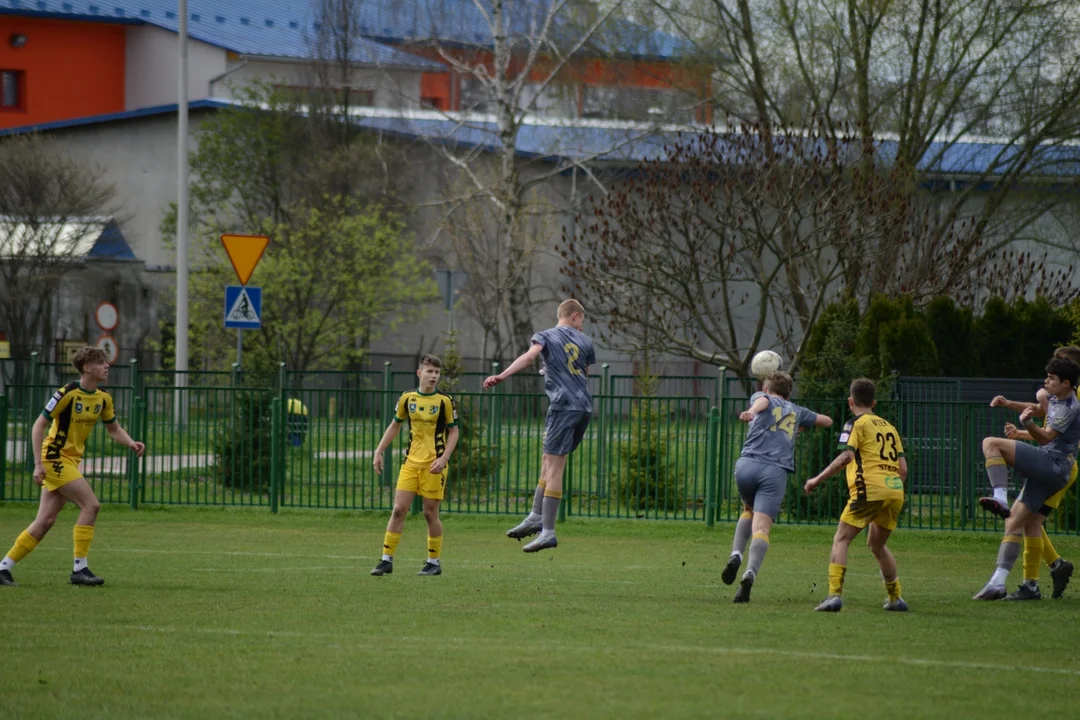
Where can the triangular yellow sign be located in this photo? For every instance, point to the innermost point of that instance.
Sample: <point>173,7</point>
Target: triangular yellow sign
<point>245,251</point>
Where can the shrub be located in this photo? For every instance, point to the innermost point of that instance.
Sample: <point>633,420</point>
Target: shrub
<point>242,456</point>
<point>647,479</point>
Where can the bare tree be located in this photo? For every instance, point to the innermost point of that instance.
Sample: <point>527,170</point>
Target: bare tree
<point>728,238</point>
<point>49,207</point>
<point>916,79</point>
<point>529,63</point>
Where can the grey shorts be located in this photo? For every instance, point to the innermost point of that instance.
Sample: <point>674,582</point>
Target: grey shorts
<point>761,486</point>
<point>1043,474</point>
<point>563,430</point>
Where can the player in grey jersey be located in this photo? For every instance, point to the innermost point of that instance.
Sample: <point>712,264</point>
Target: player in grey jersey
<point>1045,469</point>
<point>761,472</point>
<point>567,353</point>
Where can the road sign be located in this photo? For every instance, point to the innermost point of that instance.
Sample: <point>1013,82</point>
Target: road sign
<point>243,307</point>
<point>106,316</point>
<point>245,251</point>
<point>108,343</point>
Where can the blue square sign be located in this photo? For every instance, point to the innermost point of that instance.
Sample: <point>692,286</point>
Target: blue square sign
<point>243,307</point>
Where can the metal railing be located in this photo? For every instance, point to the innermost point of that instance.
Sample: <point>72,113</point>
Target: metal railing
<point>309,442</point>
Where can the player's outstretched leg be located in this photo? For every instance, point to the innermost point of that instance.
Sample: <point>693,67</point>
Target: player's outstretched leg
<point>532,524</point>
<point>743,529</point>
<point>997,471</point>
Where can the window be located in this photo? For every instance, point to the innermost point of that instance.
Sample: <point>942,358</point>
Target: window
<point>12,89</point>
<point>630,103</point>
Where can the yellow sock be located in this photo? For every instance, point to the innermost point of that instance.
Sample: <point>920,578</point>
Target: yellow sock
<point>83,535</point>
<point>893,589</point>
<point>1033,548</point>
<point>747,515</point>
<point>553,493</point>
<point>1049,554</point>
<point>22,547</point>
<point>389,543</point>
<point>434,547</point>
<point>836,578</point>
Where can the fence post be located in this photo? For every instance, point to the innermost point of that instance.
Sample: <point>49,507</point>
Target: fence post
<point>275,456</point>
<point>601,460</point>
<point>33,408</point>
<point>144,434</point>
<point>132,459</point>
<point>387,400</point>
<point>495,431</point>
<point>721,446</point>
<point>136,391</point>
<point>713,428</point>
<point>3,444</point>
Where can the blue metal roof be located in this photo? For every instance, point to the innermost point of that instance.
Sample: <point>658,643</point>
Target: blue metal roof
<point>112,117</point>
<point>627,142</point>
<point>111,245</point>
<point>269,28</point>
<point>461,22</point>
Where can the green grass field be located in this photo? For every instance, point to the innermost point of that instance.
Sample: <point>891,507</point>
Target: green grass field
<point>238,613</point>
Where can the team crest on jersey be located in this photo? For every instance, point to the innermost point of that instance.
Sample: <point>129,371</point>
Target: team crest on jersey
<point>97,408</point>
<point>433,409</point>
<point>78,406</point>
<point>412,407</point>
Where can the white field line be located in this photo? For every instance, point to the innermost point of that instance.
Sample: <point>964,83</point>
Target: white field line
<point>561,646</point>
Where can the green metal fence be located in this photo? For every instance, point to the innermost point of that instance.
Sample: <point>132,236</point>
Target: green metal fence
<point>309,441</point>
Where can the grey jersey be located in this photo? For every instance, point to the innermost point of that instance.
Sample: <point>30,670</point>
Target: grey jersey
<point>1064,417</point>
<point>567,353</point>
<point>771,438</point>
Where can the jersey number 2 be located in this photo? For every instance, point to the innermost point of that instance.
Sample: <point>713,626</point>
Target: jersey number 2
<point>891,440</point>
<point>572,351</point>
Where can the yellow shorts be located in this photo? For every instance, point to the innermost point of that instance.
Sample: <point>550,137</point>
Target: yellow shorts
<point>881,512</point>
<point>61,472</point>
<point>418,480</point>
<point>1054,501</point>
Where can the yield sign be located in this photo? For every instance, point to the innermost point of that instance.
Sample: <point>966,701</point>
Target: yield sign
<point>244,251</point>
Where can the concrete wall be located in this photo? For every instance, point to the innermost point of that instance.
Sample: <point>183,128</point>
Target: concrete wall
<point>152,75</point>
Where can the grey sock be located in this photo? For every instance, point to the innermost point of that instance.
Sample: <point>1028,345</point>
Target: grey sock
<point>999,476</point>
<point>743,529</point>
<point>538,500</point>
<point>1007,554</point>
<point>551,511</point>
<point>758,548</point>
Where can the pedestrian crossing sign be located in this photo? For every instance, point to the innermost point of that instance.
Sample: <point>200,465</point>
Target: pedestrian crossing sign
<point>243,307</point>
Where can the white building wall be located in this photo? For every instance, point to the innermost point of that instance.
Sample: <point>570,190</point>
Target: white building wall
<point>393,88</point>
<point>152,71</point>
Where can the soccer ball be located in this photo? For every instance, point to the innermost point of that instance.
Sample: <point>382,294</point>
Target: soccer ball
<point>764,363</point>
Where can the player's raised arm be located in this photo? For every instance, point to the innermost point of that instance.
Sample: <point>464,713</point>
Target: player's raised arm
<point>1000,401</point>
<point>760,405</point>
<point>523,361</point>
<point>838,464</point>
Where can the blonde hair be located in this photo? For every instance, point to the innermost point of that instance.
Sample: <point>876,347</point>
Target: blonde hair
<point>569,307</point>
<point>88,355</point>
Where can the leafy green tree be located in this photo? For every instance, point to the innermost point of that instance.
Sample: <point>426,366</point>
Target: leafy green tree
<point>832,357</point>
<point>340,265</point>
<point>952,329</point>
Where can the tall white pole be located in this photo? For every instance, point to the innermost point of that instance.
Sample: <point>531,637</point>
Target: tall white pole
<point>182,219</point>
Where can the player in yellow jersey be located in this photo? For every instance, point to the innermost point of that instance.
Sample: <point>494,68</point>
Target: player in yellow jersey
<point>876,471</point>
<point>69,416</point>
<point>433,435</point>
<point>1040,549</point>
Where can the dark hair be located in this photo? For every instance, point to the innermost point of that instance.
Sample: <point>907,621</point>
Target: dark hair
<point>431,360</point>
<point>862,392</point>
<point>1069,352</point>
<point>88,355</point>
<point>779,383</point>
<point>1065,369</point>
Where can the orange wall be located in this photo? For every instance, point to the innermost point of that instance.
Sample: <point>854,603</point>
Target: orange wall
<point>73,69</point>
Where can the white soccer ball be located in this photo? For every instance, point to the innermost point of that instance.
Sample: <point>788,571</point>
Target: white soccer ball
<point>764,363</point>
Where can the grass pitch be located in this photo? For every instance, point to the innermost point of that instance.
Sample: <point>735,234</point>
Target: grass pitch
<point>218,613</point>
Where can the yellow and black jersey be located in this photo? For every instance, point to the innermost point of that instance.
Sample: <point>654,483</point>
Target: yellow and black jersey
<point>74,412</point>
<point>875,472</point>
<point>430,418</point>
